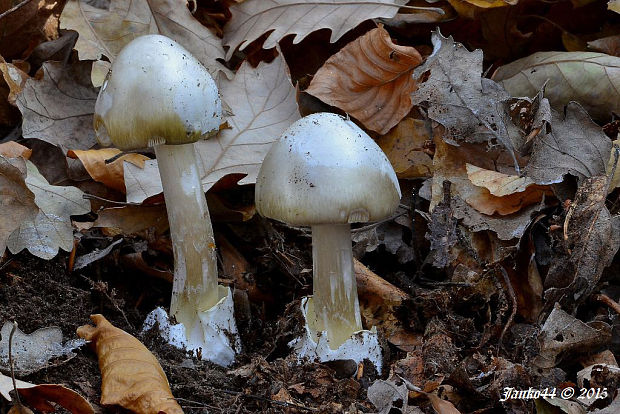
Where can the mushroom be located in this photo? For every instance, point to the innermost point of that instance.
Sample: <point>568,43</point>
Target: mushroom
<point>158,95</point>
<point>327,173</point>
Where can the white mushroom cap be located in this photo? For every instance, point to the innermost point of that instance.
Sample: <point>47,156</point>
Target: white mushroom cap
<point>325,169</point>
<point>156,92</point>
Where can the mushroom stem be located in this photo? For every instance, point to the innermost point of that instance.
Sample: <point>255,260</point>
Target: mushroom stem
<point>336,306</point>
<point>194,288</point>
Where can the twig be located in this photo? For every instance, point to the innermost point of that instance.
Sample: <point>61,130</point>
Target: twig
<point>609,302</point>
<point>102,287</point>
<point>19,401</point>
<point>513,299</point>
<point>119,203</point>
<point>264,399</point>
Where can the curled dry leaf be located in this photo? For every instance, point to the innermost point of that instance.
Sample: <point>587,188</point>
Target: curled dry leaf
<point>110,174</point>
<point>506,193</point>
<point>251,19</point>
<point>131,375</point>
<point>370,78</point>
<point>404,146</point>
<point>590,78</point>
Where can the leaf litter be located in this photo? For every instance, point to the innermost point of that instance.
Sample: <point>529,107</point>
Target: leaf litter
<point>499,269</point>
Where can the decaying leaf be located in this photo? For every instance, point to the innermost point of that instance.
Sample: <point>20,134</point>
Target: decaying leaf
<point>470,108</point>
<point>563,334</point>
<point>132,220</point>
<point>615,180</point>
<point>252,19</point>
<point>592,238</point>
<point>131,375</point>
<point>263,105</point>
<point>442,231</point>
<point>111,174</point>
<point>32,352</point>
<point>590,78</point>
<point>142,182</point>
<point>609,45</point>
<point>575,146</point>
<point>17,200</point>
<point>58,107</point>
<point>106,27</point>
<point>14,77</point>
<point>44,211</point>
<point>405,147</point>
<point>370,78</point>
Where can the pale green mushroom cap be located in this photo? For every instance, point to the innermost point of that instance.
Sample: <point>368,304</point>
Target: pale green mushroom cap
<point>156,92</point>
<point>325,169</point>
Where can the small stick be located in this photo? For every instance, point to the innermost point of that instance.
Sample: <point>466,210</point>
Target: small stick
<point>609,302</point>
<point>513,299</point>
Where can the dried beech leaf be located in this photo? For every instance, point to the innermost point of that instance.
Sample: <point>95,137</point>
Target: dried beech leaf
<point>251,19</point>
<point>12,149</point>
<point>263,104</point>
<point>104,31</point>
<point>590,78</point>
<point>131,375</point>
<point>404,147</point>
<point>506,193</point>
<point>59,107</point>
<point>109,174</point>
<point>41,396</point>
<point>575,146</point>
<point>132,220</point>
<point>370,78</point>
<point>470,108</point>
<point>40,213</point>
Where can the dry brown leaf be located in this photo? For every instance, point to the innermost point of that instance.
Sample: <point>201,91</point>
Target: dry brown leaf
<point>589,78</point>
<point>58,106</point>
<point>27,24</point>
<point>404,146</point>
<point>506,194</point>
<point>41,396</point>
<point>251,19</point>
<point>12,149</point>
<point>614,5</point>
<point>132,220</point>
<point>609,45</point>
<point>471,8</point>
<point>131,375</point>
<point>109,174</point>
<point>370,78</point>
<point>15,79</point>
<point>17,200</point>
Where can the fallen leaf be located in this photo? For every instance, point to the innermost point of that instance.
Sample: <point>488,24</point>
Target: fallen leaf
<point>562,335</point>
<point>112,174</point>
<point>252,19</point>
<point>104,31</point>
<point>370,78</point>
<point>469,107</point>
<point>609,45</point>
<point>131,375</point>
<point>471,8</point>
<point>614,5</point>
<point>40,212</point>
<point>88,258</point>
<point>615,180</point>
<point>58,106</point>
<point>132,220</point>
<point>28,23</point>
<point>590,78</point>
<point>142,182</point>
<point>506,194</point>
<point>12,149</point>
<point>6,386</point>
<point>263,105</point>
<point>387,394</point>
<point>442,231</point>
<point>404,146</point>
<point>33,352</point>
<point>41,396</point>
<point>592,238</point>
<point>575,146</point>
<point>15,78</point>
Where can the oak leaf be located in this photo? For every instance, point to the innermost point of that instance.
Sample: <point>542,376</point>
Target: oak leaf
<point>40,212</point>
<point>471,108</point>
<point>131,375</point>
<point>110,174</point>
<point>575,145</point>
<point>104,31</point>
<point>370,78</point>
<point>12,149</point>
<point>58,105</point>
<point>590,78</point>
<point>251,19</point>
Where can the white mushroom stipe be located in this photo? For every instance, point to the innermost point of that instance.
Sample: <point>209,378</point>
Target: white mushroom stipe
<point>209,338</point>
<point>314,346</point>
